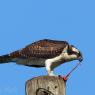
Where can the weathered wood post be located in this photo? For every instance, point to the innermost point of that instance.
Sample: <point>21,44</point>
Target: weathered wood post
<point>45,85</point>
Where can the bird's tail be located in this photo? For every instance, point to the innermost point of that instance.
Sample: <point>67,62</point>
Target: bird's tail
<point>5,58</point>
<point>9,57</point>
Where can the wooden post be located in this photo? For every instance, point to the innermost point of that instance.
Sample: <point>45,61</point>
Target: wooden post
<point>45,85</point>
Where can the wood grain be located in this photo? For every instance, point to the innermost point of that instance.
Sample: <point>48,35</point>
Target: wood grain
<point>45,85</point>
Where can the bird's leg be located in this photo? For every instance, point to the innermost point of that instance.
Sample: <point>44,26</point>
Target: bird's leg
<point>49,69</point>
<point>50,73</point>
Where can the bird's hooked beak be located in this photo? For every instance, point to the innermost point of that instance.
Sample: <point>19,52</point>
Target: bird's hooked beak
<point>80,57</point>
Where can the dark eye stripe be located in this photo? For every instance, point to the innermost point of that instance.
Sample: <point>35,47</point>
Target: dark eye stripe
<point>75,53</point>
<point>72,52</point>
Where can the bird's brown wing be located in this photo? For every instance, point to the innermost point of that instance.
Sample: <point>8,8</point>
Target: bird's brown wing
<point>43,49</point>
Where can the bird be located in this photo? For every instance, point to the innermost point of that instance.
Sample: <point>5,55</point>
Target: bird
<point>44,53</point>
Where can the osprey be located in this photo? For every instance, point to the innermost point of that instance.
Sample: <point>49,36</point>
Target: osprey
<point>44,53</point>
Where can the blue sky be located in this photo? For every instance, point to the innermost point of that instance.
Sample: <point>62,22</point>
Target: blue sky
<point>25,21</point>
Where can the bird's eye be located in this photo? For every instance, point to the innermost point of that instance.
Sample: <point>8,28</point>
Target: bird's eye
<point>70,52</point>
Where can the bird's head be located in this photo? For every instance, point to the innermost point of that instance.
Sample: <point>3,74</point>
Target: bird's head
<point>73,53</point>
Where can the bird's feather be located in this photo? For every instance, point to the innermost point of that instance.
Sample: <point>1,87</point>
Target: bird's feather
<point>44,49</point>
